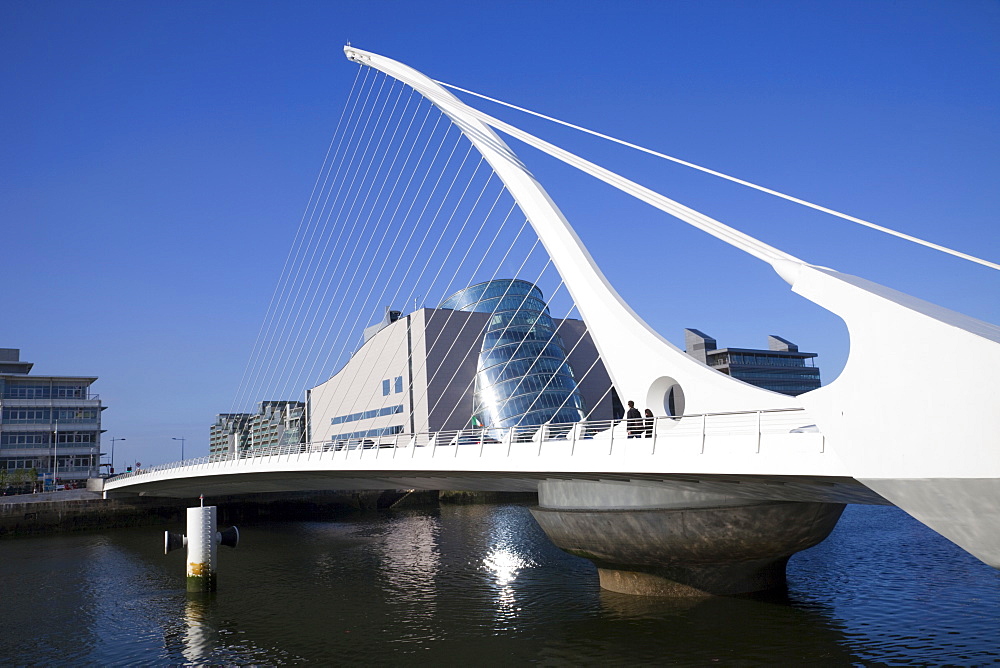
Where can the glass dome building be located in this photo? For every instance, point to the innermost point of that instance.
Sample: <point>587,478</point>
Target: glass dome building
<point>523,377</point>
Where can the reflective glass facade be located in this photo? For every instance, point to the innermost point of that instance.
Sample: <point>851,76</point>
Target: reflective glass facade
<point>523,378</point>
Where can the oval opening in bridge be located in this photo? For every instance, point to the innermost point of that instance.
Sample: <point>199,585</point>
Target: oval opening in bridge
<point>666,397</point>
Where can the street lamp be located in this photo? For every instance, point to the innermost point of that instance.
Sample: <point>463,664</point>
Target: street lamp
<point>55,455</point>
<point>113,452</point>
<point>182,446</point>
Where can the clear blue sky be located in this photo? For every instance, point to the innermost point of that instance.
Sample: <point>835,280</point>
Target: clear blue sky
<point>155,159</point>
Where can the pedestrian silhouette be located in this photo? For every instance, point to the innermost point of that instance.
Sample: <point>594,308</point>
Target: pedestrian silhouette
<point>634,421</point>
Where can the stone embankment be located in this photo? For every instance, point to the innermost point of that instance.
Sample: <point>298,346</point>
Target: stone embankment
<point>77,510</point>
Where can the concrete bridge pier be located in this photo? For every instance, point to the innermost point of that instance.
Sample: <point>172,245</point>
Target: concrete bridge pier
<point>670,540</point>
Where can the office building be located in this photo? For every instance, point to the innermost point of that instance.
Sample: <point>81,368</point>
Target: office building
<point>522,377</point>
<point>228,431</point>
<point>489,356</point>
<point>49,424</point>
<point>781,368</point>
<point>274,423</point>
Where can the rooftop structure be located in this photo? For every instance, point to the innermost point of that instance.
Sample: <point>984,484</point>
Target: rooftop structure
<point>780,368</point>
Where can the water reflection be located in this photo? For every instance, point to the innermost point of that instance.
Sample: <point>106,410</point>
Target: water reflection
<point>199,637</point>
<point>504,560</point>
<point>409,565</point>
<point>503,563</point>
<point>898,590</point>
<point>481,585</point>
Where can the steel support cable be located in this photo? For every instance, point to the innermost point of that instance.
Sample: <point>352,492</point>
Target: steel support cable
<point>451,313</point>
<point>309,327</point>
<point>398,230</point>
<point>413,227</point>
<point>548,342</point>
<point>294,286</point>
<point>448,289</point>
<point>433,253</point>
<point>423,212</point>
<point>417,281</point>
<point>579,384</point>
<point>277,316</point>
<point>335,210</point>
<point>555,332</point>
<point>455,237</point>
<point>717,229</point>
<point>395,352</point>
<point>424,266</point>
<point>339,346</point>
<point>524,298</point>
<point>311,373</point>
<point>465,324</point>
<point>742,182</point>
<point>295,306</point>
<point>603,397</point>
<point>325,213</point>
<point>337,271</point>
<point>705,223</point>
<point>302,331</point>
<point>318,209</point>
<point>306,288</point>
<point>349,222</point>
<point>351,102</point>
<point>469,247</point>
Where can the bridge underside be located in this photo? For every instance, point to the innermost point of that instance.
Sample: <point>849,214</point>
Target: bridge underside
<point>774,488</point>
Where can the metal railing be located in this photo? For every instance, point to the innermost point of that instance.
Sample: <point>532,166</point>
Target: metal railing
<point>649,431</point>
<point>13,394</point>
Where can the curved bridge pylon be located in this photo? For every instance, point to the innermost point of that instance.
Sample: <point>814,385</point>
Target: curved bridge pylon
<point>925,435</point>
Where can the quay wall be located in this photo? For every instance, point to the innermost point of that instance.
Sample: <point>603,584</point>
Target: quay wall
<point>26,517</point>
<point>78,510</point>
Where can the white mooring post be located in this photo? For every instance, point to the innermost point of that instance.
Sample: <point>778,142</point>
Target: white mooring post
<point>202,541</point>
<point>202,555</point>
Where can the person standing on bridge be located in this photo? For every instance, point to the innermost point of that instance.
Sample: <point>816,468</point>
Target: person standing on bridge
<point>634,421</point>
<point>649,423</point>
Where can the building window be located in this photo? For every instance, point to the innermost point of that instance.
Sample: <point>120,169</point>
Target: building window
<point>399,384</point>
<point>368,433</point>
<point>367,415</point>
<point>76,415</point>
<point>19,463</point>
<point>75,437</point>
<point>36,439</point>
<point>385,387</point>
<point>30,390</point>
<point>26,415</point>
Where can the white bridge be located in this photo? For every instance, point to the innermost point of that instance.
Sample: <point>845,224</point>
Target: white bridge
<point>760,454</point>
<point>924,437</point>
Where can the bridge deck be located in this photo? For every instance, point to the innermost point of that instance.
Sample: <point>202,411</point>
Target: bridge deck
<point>753,454</point>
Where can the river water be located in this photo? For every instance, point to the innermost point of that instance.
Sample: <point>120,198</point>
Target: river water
<point>481,585</point>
